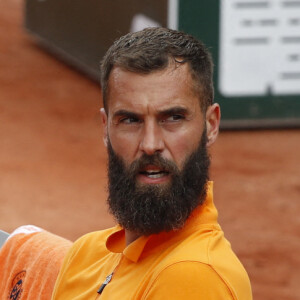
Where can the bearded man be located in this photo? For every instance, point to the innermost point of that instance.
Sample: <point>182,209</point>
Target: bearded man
<point>159,118</point>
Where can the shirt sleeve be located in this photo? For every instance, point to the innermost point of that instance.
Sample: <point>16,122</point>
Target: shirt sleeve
<point>189,280</point>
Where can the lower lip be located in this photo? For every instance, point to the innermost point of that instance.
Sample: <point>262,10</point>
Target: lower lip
<point>148,180</point>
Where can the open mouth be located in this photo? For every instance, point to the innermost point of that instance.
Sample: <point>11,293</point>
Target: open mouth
<point>154,173</point>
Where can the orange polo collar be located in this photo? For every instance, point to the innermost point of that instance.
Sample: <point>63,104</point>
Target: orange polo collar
<point>205,214</point>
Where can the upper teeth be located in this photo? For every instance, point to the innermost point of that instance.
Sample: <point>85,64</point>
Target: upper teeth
<point>155,175</point>
<point>153,171</point>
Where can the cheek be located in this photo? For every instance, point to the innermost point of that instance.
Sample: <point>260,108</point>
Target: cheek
<point>181,146</point>
<point>124,144</point>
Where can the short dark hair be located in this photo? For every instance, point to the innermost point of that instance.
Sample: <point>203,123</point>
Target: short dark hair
<point>151,49</point>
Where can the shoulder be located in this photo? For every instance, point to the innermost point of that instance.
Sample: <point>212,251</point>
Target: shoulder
<point>189,279</point>
<point>82,254</point>
<point>86,250</point>
<point>96,237</point>
<point>91,244</point>
<point>203,265</point>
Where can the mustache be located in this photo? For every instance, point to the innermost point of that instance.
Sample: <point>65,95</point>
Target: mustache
<point>156,160</point>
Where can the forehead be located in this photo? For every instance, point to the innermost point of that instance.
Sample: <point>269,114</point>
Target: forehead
<point>160,89</point>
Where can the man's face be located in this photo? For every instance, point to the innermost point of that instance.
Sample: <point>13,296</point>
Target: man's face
<point>156,137</point>
<point>154,113</point>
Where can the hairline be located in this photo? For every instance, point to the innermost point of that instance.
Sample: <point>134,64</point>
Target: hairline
<point>197,87</point>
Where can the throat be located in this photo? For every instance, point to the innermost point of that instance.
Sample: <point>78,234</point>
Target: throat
<point>130,237</point>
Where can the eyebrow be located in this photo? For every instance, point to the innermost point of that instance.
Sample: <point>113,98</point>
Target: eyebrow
<point>174,111</point>
<point>124,112</point>
<point>169,111</point>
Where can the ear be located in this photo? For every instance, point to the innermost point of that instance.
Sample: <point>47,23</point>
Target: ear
<point>104,123</point>
<point>213,116</point>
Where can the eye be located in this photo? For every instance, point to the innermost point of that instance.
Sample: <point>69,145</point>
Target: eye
<point>129,120</point>
<point>173,118</point>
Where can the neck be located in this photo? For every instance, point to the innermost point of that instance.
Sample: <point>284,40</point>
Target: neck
<point>130,237</point>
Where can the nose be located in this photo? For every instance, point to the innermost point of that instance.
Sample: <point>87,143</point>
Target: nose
<point>152,140</point>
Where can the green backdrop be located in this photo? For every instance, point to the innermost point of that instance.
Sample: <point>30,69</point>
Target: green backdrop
<point>202,19</point>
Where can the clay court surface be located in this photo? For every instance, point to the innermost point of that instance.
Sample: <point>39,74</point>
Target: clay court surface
<point>53,165</point>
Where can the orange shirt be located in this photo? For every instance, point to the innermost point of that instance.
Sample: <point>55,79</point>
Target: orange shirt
<point>195,262</point>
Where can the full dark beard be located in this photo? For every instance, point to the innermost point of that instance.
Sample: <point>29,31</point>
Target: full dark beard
<point>149,209</point>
